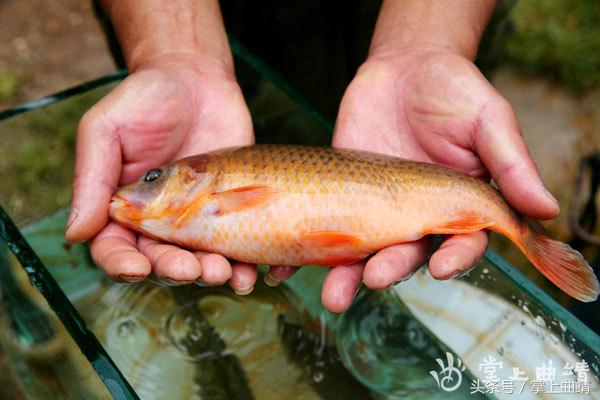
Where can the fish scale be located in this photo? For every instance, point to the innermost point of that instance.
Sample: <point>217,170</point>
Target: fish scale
<point>308,180</point>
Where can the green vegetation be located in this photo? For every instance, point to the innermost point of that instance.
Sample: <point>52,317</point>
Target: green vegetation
<point>37,157</point>
<point>559,39</point>
<point>9,85</point>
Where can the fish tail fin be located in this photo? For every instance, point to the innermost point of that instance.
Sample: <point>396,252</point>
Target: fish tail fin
<point>562,265</point>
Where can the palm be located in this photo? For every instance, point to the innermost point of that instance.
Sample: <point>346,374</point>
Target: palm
<point>427,111</point>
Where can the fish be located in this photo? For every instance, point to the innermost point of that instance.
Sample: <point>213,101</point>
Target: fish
<point>302,205</point>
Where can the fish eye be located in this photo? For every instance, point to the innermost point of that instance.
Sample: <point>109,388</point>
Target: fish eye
<point>152,174</point>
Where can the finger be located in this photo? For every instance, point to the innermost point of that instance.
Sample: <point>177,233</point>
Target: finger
<point>97,170</point>
<point>114,250</point>
<point>395,263</point>
<point>340,287</point>
<point>170,262</point>
<point>458,254</point>
<point>278,273</point>
<point>504,153</point>
<point>243,278</point>
<point>216,270</point>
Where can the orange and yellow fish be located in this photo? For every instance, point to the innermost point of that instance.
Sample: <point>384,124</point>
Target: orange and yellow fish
<point>296,205</point>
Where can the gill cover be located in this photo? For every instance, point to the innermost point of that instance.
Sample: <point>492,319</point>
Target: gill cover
<point>171,193</point>
<point>193,182</point>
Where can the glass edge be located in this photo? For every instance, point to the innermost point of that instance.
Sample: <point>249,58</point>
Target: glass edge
<point>39,276</point>
<point>546,302</point>
<point>53,98</point>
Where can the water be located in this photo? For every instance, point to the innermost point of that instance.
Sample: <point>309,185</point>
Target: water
<point>391,352</point>
<point>207,343</point>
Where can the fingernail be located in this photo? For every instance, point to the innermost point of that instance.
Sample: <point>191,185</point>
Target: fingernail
<point>72,216</point>
<point>131,278</point>
<point>270,280</point>
<point>461,272</point>
<point>203,283</point>
<point>550,196</point>
<point>244,292</point>
<point>404,279</point>
<point>200,282</point>
<point>355,294</point>
<point>175,282</point>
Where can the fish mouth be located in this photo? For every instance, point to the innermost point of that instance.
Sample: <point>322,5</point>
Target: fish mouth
<point>117,205</point>
<point>125,211</point>
<point>118,200</point>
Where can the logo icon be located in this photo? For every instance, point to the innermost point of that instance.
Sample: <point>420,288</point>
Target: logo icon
<point>450,376</point>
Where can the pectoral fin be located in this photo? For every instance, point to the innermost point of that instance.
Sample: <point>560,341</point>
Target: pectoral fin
<point>242,198</point>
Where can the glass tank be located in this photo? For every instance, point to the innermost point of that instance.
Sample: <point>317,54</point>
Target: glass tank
<point>68,332</point>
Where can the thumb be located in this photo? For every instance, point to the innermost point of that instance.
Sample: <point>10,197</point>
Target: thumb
<point>97,171</point>
<point>500,146</point>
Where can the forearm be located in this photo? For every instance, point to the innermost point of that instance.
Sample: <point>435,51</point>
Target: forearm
<point>456,25</point>
<point>153,29</point>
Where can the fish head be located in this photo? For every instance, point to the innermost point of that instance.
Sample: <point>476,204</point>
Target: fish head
<point>161,197</point>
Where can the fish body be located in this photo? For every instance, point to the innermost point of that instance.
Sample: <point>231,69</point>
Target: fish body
<point>298,205</point>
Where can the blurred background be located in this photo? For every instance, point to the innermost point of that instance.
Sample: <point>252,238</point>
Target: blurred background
<point>542,55</point>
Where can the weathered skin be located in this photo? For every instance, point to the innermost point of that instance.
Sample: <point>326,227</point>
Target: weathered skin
<point>295,205</point>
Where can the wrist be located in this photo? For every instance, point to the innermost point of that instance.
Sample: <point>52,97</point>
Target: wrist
<point>187,58</point>
<point>454,26</point>
<point>408,45</point>
<point>404,51</point>
<point>155,30</point>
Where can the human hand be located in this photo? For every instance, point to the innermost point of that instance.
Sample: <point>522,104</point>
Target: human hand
<point>432,105</point>
<point>166,109</point>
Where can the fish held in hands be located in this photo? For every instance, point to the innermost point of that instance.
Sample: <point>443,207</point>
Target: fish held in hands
<point>297,205</point>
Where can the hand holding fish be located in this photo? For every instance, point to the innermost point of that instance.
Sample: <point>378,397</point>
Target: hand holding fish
<point>445,112</point>
<point>419,96</point>
<point>163,111</point>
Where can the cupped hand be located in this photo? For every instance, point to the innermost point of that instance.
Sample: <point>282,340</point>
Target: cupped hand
<point>434,106</point>
<point>165,110</point>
